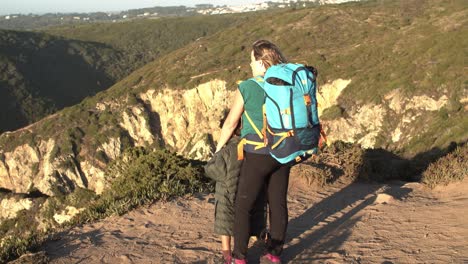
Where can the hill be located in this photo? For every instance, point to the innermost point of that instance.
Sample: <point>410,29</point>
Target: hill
<point>378,86</point>
<point>42,72</point>
<point>391,79</point>
<point>38,21</point>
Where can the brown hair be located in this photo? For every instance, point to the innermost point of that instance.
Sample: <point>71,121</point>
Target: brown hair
<point>268,52</point>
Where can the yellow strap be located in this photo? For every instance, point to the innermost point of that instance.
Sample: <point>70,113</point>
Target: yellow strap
<point>253,125</point>
<point>279,141</point>
<point>283,135</point>
<point>240,147</point>
<point>258,145</point>
<point>287,133</point>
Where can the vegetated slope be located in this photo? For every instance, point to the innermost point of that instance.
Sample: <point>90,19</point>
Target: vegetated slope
<point>412,48</point>
<point>41,73</point>
<point>386,48</point>
<point>33,22</point>
<point>401,57</point>
<point>144,40</point>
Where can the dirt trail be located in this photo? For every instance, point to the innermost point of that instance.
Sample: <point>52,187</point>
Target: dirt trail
<point>343,223</point>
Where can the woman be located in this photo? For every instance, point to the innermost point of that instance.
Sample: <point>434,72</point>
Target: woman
<point>258,168</point>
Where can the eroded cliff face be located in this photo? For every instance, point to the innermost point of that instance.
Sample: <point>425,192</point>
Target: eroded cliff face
<point>29,169</point>
<point>185,121</point>
<point>364,124</point>
<point>188,122</point>
<point>327,95</point>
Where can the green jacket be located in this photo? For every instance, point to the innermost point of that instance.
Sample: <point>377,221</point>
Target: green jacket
<point>224,168</point>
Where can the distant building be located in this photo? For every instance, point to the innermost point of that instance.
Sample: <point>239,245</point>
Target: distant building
<point>204,6</point>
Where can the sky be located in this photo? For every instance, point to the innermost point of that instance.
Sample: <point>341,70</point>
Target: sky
<point>64,6</point>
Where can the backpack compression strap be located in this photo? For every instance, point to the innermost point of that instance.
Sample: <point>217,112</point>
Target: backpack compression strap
<point>322,140</point>
<point>283,136</point>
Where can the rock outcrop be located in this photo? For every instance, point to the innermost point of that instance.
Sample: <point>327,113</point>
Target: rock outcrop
<point>188,122</point>
<point>11,206</point>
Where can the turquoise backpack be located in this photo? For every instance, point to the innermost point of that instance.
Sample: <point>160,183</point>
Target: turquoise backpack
<point>292,129</point>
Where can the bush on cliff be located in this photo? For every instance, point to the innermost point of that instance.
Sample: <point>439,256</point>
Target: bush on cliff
<point>140,177</point>
<point>451,168</point>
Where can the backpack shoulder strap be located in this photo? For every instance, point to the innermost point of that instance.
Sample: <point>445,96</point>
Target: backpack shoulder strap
<point>259,80</point>
<point>253,125</point>
<point>258,145</point>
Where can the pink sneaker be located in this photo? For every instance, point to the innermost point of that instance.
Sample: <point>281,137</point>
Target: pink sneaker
<point>239,261</point>
<point>228,261</point>
<point>270,259</point>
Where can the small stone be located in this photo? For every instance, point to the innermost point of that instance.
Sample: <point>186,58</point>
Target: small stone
<point>383,198</point>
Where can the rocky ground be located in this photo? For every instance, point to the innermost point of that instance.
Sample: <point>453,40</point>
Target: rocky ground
<point>343,223</point>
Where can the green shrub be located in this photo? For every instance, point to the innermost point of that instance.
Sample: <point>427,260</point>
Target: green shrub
<point>15,246</point>
<point>450,168</point>
<point>19,235</point>
<point>80,197</point>
<point>332,112</point>
<point>6,225</point>
<point>349,157</point>
<point>352,162</point>
<point>143,177</point>
<point>340,159</point>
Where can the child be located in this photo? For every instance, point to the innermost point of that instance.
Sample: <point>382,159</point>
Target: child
<point>224,168</point>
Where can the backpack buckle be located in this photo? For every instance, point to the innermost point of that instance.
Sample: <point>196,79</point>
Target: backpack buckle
<point>307,100</point>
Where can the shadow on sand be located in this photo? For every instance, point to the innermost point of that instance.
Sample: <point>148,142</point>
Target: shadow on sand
<point>326,225</point>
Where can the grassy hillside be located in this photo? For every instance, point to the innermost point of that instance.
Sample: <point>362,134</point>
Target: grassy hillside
<point>142,41</point>
<point>414,46</point>
<point>43,72</point>
<point>417,47</point>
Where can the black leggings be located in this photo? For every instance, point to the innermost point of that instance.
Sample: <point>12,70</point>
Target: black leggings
<point>258,170</point>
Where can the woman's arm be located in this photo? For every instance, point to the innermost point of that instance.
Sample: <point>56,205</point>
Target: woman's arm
<point>232,119</point>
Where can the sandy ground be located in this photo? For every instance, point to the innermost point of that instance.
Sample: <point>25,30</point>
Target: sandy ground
<point>343,223</point>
